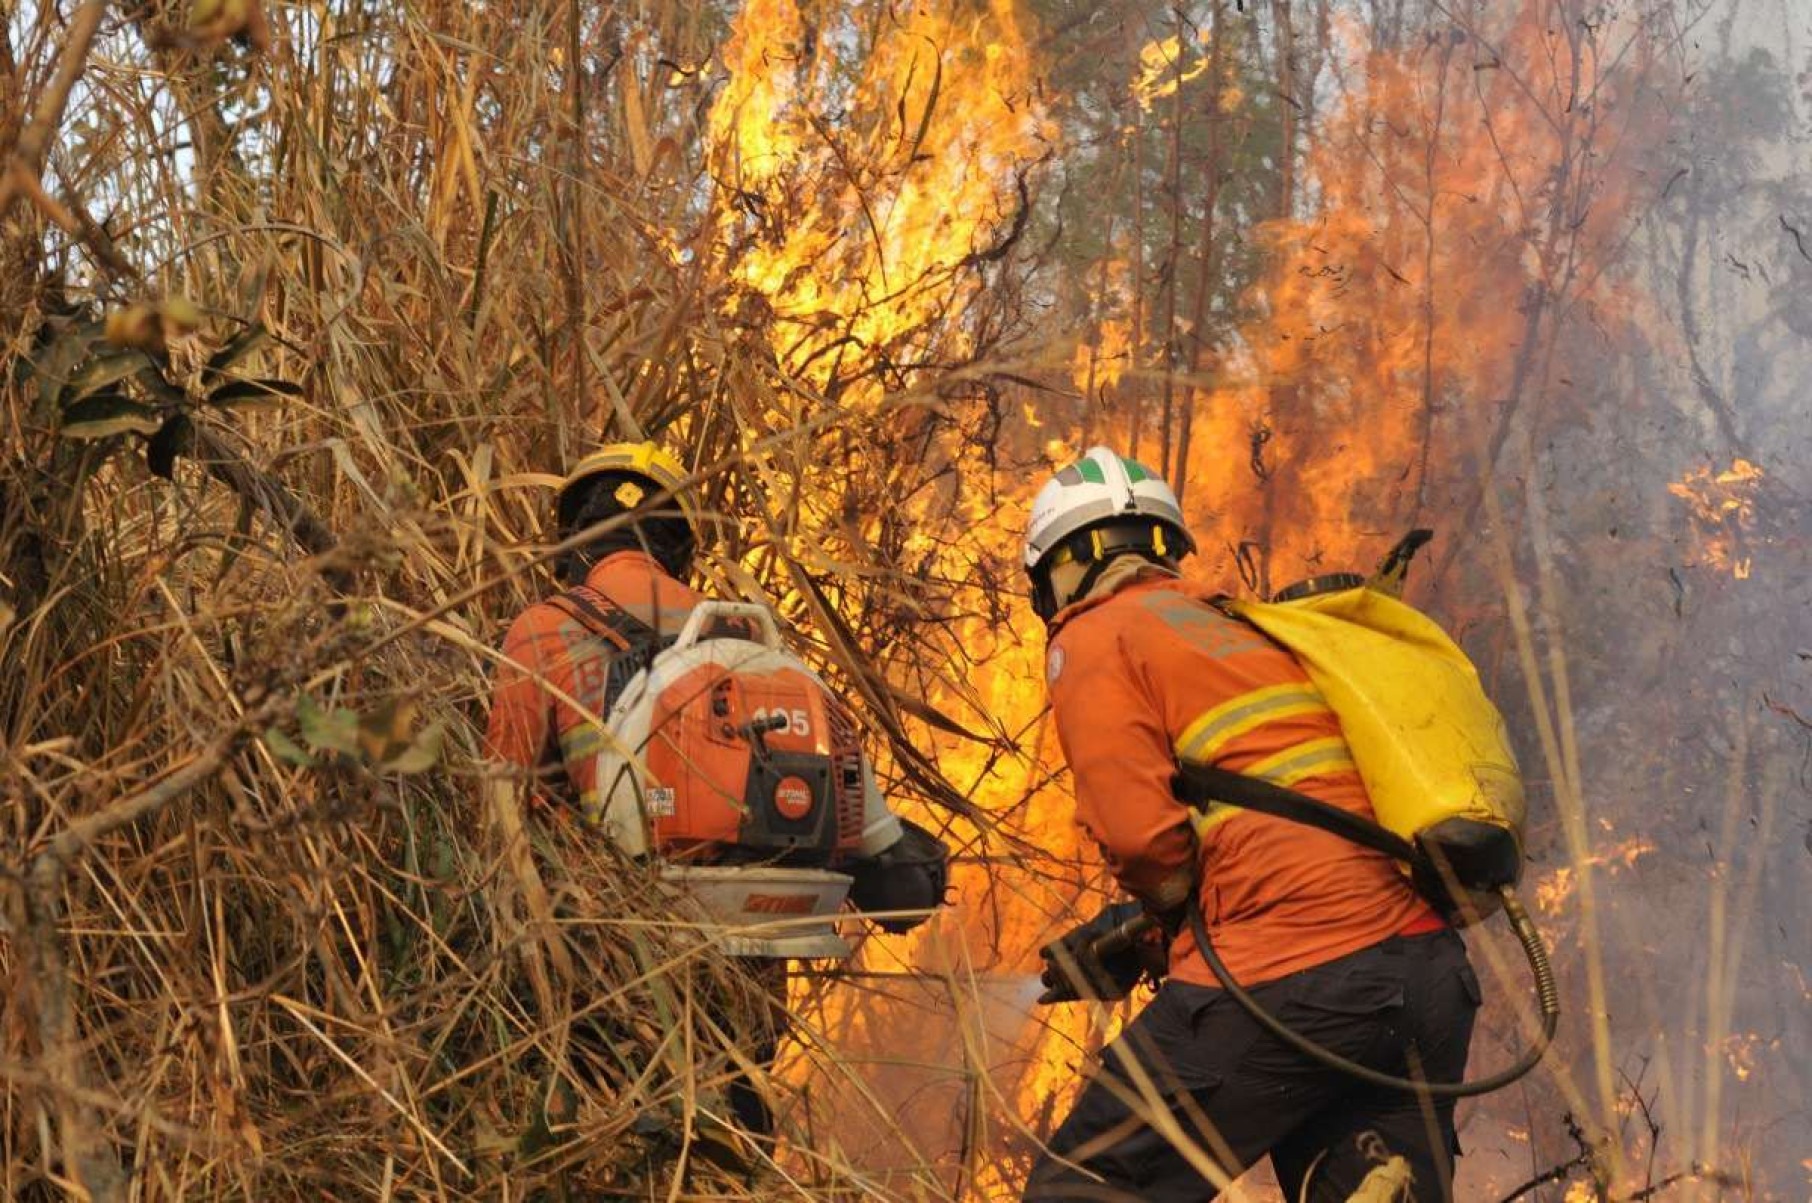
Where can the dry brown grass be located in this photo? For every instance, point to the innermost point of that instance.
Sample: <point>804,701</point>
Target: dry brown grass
<point>233,975</point>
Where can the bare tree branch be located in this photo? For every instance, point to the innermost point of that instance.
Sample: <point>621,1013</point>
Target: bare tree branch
<point>25,165</point>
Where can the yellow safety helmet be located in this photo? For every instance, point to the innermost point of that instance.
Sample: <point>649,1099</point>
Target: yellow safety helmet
<point>634,474</point>
<point>650,466</point>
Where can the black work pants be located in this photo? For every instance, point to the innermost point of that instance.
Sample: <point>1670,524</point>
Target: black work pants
<point>1403,1007</point>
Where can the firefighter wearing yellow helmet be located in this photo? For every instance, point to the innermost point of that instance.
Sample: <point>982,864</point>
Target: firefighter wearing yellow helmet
<point>563,656</point>
<point>634,494</point>
<point>624,636</point>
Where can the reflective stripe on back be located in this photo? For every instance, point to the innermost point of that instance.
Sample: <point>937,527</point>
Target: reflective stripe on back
<point>1313,758</point>
<point>1217,813</point>
<point>581,741</point>
<point>1204,738</point>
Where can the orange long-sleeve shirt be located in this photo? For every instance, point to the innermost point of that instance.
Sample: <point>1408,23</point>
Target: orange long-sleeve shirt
<point>1151,672</point>
<point>553,672</point>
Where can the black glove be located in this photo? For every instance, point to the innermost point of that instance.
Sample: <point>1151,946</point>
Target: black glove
<point>1103,958</point>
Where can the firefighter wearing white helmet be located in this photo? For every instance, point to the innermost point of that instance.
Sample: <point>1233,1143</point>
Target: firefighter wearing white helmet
<point>1146,671</point>
<point>1100,507</point>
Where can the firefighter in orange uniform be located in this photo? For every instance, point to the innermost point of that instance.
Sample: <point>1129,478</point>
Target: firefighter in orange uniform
<point>1143,671</point>
<point>553,659</point>
<point>564,657</point>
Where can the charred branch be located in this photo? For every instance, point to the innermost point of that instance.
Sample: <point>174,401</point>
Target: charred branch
<point>1256,444</point>
<point>1005,244</point>
<point>267,494</point>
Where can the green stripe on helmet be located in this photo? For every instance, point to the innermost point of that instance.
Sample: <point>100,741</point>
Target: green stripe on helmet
<point>1091,472</point>
<point>1135,471</point>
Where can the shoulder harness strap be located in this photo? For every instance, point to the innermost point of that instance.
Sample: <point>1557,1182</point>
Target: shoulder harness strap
<point>634,643</point>
<point>1201,784</point>
<point>601,616</point>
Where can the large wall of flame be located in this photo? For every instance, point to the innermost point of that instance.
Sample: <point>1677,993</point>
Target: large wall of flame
<point>1448,331</point>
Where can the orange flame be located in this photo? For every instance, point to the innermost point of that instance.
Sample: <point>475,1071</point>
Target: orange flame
<point>855,240</point>
<point>1100,365</point>
<point>1400,316</point>
<point>1722,508</point>
<point>854,232</point>
<point>1393,318</point>
<point>1164,67</point>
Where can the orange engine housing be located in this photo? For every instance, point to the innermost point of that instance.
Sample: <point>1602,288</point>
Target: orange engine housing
<point>745,756</point>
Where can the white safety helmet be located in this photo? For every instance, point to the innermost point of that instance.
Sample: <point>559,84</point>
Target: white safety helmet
<point>1101,506</point>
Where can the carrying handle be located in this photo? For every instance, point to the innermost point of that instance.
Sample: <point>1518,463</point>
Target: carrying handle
<point>707,615</point>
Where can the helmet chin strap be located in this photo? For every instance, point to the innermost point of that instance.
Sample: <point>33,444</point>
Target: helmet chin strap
<point>1096,550</point>
<point>1093,574</point>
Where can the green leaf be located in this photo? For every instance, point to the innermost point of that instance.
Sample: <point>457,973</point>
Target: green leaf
<point>237,348</point>
<point>285,748</point>
<point>106,414</point>
<point>174,437</point>
<point>420,756</point>
<point>329,730</point>
<point>102,371</point>
<point>265,391</point>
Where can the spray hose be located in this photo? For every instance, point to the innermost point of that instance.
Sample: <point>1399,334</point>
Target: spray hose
<point>1546,992</point>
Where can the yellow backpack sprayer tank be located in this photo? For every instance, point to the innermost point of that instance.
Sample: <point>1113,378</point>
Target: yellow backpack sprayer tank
<point>1434,755</point>
<point>1429,744</point>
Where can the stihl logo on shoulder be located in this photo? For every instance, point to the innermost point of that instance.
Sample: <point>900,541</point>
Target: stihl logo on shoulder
<point>779,904</point>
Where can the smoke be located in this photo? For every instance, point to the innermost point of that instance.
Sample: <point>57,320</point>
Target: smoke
<point>934,1042</point>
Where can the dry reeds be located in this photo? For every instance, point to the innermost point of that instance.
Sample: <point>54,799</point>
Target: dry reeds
<point>304,307</point>
<point>261,940</point>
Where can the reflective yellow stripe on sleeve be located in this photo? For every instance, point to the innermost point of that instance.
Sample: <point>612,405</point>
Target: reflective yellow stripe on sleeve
<point>1314,758</point>
<point>1203,739</point>
<point>581,741</point>
<point>1217,813</point>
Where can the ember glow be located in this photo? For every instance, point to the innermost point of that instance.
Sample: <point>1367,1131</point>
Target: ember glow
<point>1722,506</point>
<point>1556,891</point>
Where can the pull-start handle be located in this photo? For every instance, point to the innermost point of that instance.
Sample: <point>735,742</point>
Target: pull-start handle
<point>708,617</point>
